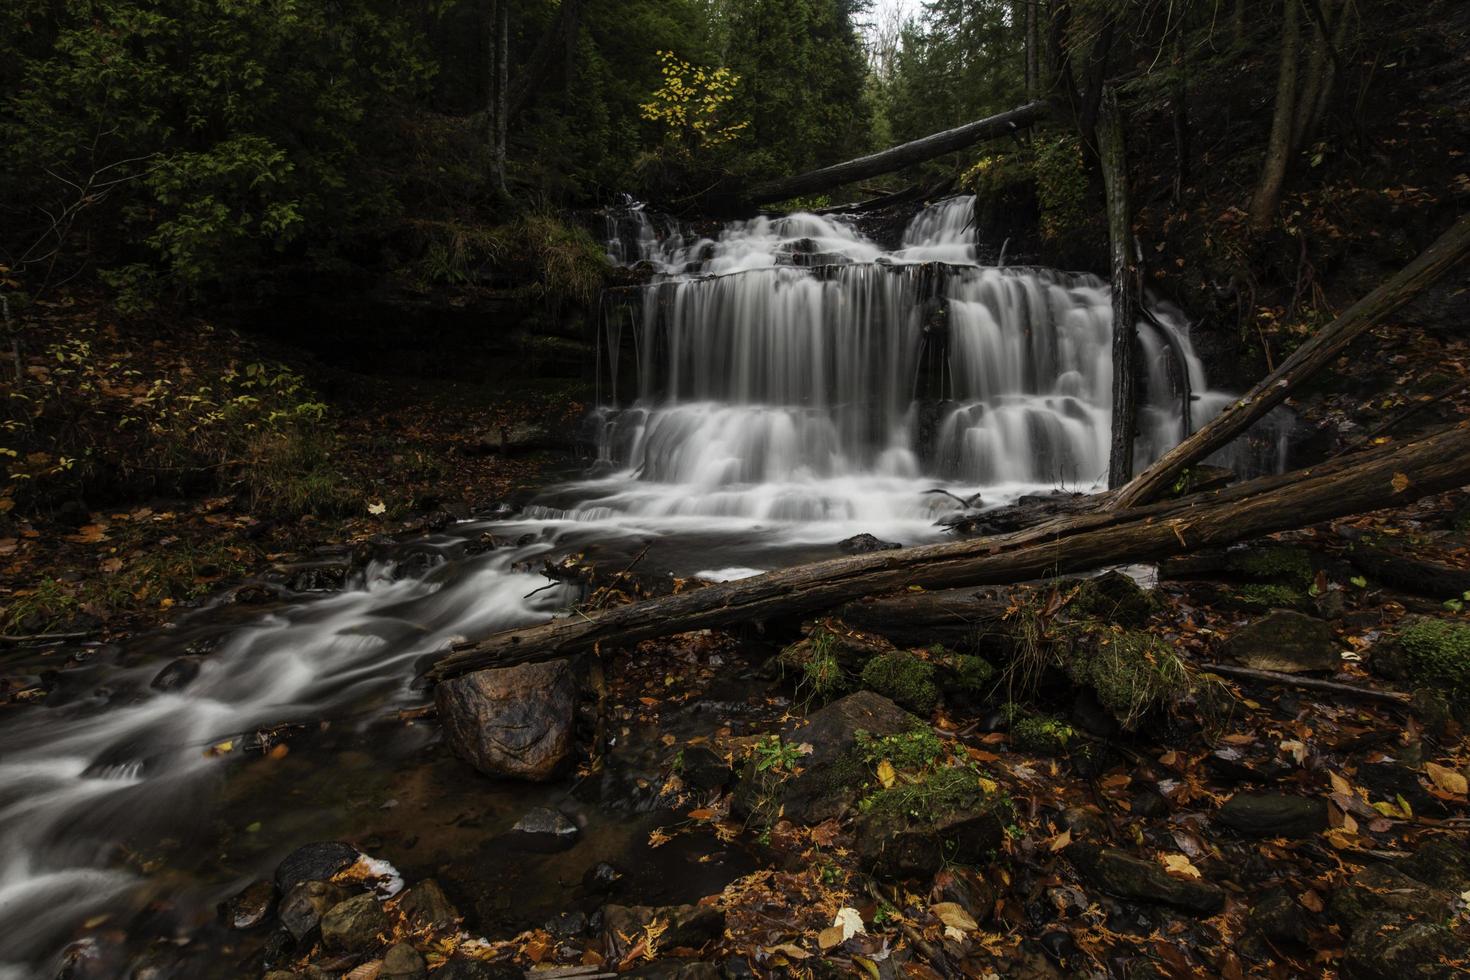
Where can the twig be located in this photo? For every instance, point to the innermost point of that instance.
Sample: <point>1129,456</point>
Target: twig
<point>41,637</point>
<point>1308,683</point>
<point>935,957</point>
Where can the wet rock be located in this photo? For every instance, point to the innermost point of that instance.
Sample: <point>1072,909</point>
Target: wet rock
<point>831,775</point>
<point>862,544</point>
<point>703,769</point>
<point>176,674</point>
<point>426,908</point>
<point>353,925</point>
<point>676,970</point>
<point>327,576</point>
<point>1231,765</point>
<point>1086,823</point>
<point>304,905</point>
<point>251,907</point>
<point>894,844</point>
<point>1279,917</point>
<point>461,967</point>
<point>1113,598</point>
<point>1148,803</point>
<point>317,861</point>
<point>567,925</point>
<point>543,821</point>
<point>1125,876</point>
<point>1391,780</point>
<point>687,925</point>
<point>1378,891</point>
<point>1287,642</point>
<point>1403,950</point>
<point>1274,815</point>
<point>403,962</point>
<point>511,721</point>
<point>1443,862</point>
<point>966,889</point>
<point>601,879</point>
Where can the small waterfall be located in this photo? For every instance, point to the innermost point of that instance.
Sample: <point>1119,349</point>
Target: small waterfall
<point>788,363</point>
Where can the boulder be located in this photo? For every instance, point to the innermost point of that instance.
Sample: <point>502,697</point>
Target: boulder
<point>688,926</point>
<point>510,721</point>
<point>1287,642</point>
<point>1121,874</point>
<point>896,845</point>
<point>861,544</point>
<point>1404,950</point>
<point>353,926</point>
<point>318,861</point>
<point>177,674</point>
<point>832,774</point>
<point>1280,918</point>
<point>305,904</point>
<point>1274,815</point>
<point>403,962</point>
<point>426,908</point>
<point>1377,892</point>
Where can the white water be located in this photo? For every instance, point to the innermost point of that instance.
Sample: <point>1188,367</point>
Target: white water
<point>795,384</point>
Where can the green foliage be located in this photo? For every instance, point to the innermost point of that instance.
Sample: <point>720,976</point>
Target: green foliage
<point>1131,671</point>
<point>904,678</point>
<point>1042,734</point>
<point>771,754</point>
<point>916,749</point>
<point>290,472</point>
<point>1283,562</point>
<point>1270,595</point>
<point>948,789</point>
<point>44,606</point>
<point>1436,653</point>
<point>1061,186</point>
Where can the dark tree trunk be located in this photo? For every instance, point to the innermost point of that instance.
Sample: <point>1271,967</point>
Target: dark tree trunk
<point>1114,162</point>
<point>502,90</point>
<point>1267,196</point>
<point>1322,349</point>
<point>1361,482</point>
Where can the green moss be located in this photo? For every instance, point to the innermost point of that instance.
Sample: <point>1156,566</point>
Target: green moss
<point>916,749</point>
<point>819,670</point>
<point>1042,734</point>
<point>950,789</point>
<point>962,673</point>
<point>1131,671</point>
<point>1436,653</point>
<point>1282,562</point>
<point>904,678</point>
<point>1269,596</point>
<point>1114,598</point>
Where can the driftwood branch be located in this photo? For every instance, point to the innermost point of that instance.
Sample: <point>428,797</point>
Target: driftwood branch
<point>1366,481</point>
<point>1306,683</point>
<point>1318,352</point>
<point>897,157</point>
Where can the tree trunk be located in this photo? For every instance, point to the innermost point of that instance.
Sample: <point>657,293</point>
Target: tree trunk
<point>1114,162</point>
<point>1365,481</point>
<point>502,91</point>
<point>897,157</point>
<point>1267,197</point>
<point>1319,351</point>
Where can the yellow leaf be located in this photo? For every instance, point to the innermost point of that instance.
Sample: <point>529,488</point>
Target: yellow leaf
<point>886,775</point>
<point>1446,779</point>
<point>1400,483</point>
<point>1060,841</point>
<point>953,916</point>
<point>1178,864</point>
<point>1340,785</point>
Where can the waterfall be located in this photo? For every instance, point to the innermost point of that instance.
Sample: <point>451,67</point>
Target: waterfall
<point>791,368</point>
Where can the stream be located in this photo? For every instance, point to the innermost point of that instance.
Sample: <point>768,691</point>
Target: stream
<point>772,391</point>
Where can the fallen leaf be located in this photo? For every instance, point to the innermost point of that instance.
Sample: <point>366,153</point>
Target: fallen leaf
<point>850,921</point>
<point>1340,785</point>
<point>1446,779</point>
<point>1060,841</point>
<point>1178,864</point>
<point>886,775</point>
<point>377,508</point>
<point>1400,483</point>
<point>1311,900</point>
<point>953,916</point>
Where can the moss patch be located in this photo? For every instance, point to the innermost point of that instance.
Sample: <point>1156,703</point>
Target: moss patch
<point>905,679</point>
<point>1042,734</point>
<point>1436,653</point>
<point>951,789</point>
<point>1281,562</point>
<point>1269,596</point>
<point>1131,671</point>
<point>918,749</point>
<point>1112,597</point>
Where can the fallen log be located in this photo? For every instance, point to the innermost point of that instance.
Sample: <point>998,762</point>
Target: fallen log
<point>1346,485</point>
<point>897,157</point>
<point>1318,352</point>
<point>957,618</point>
<point>1401,571</point>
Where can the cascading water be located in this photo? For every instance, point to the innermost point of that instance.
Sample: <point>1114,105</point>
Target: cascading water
<point>792,369</point>
<point>792,383</point>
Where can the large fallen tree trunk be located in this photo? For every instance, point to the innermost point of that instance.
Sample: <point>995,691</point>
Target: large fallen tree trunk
<point>897,157</point>
<point>1374,478</point>
<point>1318,352</point>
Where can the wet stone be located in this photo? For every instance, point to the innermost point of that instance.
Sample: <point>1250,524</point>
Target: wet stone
<point>354,925</point>
<point>1273,815</point>
<point>1136,879</point>
<point>305,904</point>
<point>1279,917</point>
<point>510,721</point>
<point>688,926</point>
<point>317,861</point>
<point>543,821</point>
<point>601,878</point>
<point>176,674</point>
<point>1377,891</point>
<point>403,962</point>
<point>567,925</point>
<point>896,847</point>
<point>1287,642</point>
<point>251,907</point>
<point>427,909</point>
<point>1392,947</point>
<point>862,544</point>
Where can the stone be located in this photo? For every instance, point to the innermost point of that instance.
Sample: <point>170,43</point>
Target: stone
<point>862,544</point>
<point>545,829</point>
<point>1287,642</point>
<point>1231,765</point>
<point>1443,862</point>
<point>177,674</point>
<point>511,721</point>
<point>1086,823</point>
<point>318,861</point>
<point>688,926</point>
<point>831,775</point>
<point>251,907</point>
<point>426,908</point>
<point>567,925</point>
<point>1279,917</point>
<point>1274,815</point>
<point>704,769</point>
<point>601,879</point>
<point>461,967</point>
<point>1121,874</point>
<point>305,904</point>
<point>1377,891</point>
<point>353,925</point>
<point>403,962</point>
<point>895,845</point>
<point>1403,950</point>
<point>1390,780</point>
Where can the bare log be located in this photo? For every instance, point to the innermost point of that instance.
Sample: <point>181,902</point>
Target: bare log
<point>1114,161</point>
<point>1318,352</point>
<point>1080,543</point>
<point>961,619</point>
<point>897,157</point>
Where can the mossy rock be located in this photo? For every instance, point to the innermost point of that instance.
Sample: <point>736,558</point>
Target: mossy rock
<point>1112,598</point>
<point>1287,642</point>
<point>1132,672</point>
<point>905,678</point>
<point>962,675</point>
<point>1282,563</point>
<point>1042,734</point>
<point>1428,653</point>
<point>952,815</point>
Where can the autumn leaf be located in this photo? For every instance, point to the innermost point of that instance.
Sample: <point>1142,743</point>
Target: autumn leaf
<point>377,508</point>
<point>1180,866</point>
<point>1446,779</point>
<point>1400,483</point>
<point>1060,841</point>
<point>886,775</point>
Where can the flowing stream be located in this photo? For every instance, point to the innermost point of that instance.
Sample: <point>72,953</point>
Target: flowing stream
<point>772,391</point>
